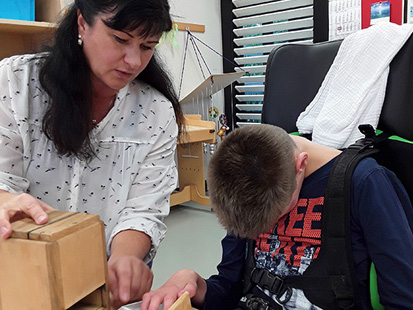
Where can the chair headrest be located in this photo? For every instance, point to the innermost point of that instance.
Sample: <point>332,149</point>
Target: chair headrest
<point>397,113</point>
<point>295,72</point>
<point>293,76</point>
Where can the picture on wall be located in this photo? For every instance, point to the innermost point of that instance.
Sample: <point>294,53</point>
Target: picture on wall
<point>373,12</point>
<point>380,12</point>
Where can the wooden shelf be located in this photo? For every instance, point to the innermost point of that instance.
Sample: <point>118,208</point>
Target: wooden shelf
<point>22,37</point>
<point>190,27</point>
<point>25,27</point>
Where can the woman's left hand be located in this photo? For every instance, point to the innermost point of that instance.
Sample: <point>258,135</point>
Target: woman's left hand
<point>129,278</point>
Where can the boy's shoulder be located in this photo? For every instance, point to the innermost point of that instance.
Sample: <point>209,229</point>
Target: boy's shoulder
<point>369,170</point>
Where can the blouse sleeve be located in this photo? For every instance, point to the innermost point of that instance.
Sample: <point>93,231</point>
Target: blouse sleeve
<point>11,142</point>
<point>149,196</point>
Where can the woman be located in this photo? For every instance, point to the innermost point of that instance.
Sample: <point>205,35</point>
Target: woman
<point>91,126</point>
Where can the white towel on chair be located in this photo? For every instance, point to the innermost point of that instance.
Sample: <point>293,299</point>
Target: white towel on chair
<point>353,90</point>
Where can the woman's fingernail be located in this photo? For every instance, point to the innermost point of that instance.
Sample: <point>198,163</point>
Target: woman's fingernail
<point>3,231</point>
<point>41,218</point>
<point>125,297</point>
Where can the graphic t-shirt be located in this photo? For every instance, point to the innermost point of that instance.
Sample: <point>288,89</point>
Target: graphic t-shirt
<point>295,239</point>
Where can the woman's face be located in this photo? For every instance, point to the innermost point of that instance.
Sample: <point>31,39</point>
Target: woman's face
<point>115,57</point>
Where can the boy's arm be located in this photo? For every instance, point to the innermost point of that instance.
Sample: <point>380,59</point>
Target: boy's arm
<point>224,290</point>
<point>219,292</point>
<point>382,218</point>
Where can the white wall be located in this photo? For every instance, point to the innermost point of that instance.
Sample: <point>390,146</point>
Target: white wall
<point>208,13</point>
<point>202,12</point>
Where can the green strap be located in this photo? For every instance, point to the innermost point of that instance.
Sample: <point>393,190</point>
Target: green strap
<point>374,293</point>
<point>378,131</point>
<point>397,138</point>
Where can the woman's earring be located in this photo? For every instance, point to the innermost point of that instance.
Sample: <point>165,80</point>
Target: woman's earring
<point>79,40</point>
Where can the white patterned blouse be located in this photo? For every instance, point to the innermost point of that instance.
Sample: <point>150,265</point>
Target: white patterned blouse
<point>130,181</point>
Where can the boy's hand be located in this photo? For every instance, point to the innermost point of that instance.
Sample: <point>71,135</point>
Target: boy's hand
<point>181,282</point>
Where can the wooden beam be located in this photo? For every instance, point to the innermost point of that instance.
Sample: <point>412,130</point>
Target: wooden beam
<point>191,27</point>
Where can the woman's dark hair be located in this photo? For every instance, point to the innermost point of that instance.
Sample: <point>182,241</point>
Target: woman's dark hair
<point>66,76</point>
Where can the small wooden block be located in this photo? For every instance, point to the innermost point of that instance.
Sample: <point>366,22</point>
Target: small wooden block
<point>183,303</point>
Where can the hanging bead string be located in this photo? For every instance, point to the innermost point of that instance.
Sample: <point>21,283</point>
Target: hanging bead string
<point>197,51</point>
<point>212,111</point>
<point>192,36</point>
<point>183,65</point>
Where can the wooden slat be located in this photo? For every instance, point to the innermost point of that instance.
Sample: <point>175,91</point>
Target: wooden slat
<point>64,227</point>
<point>23,37</point>
<point>191,27</point>
<point>83,273</point>
<point>22,228</point>
<point>28,27</point>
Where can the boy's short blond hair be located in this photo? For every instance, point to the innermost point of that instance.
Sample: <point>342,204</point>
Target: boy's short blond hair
<point>251,178</point>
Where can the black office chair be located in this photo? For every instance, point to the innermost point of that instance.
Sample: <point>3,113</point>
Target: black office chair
<point>294,74</point>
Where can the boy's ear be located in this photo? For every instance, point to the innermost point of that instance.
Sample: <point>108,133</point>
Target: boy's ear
<point>301,161</point>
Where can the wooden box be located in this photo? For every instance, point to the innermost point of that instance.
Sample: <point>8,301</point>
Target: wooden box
<point>56,266</point>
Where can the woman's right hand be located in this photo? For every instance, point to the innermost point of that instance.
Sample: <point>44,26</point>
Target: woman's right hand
<point>16,206</point>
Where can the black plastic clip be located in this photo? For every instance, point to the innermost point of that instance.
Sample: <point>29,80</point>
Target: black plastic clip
<point>256,303</point>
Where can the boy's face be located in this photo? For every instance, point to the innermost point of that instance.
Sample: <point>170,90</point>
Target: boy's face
<point>301,163</point>
<point>293,202</point>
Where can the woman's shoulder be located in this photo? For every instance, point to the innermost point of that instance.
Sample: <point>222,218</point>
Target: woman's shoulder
<point>21,68</point>
<point>24,60</point>
<point>148,98</point>
<point>144,89</point>
<point>141,100</point>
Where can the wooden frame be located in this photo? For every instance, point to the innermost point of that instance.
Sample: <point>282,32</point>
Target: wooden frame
<point>190,27</point>
<point>191,161</point>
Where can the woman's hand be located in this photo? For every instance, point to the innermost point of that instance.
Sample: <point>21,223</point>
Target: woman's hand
<point>129,278</point>
<point>181,282</point>
<point>17,206</point>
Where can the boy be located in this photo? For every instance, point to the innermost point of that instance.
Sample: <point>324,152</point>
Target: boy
<point>259,176</point>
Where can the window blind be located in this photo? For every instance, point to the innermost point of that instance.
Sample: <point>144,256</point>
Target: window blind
<point>259,26</point>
